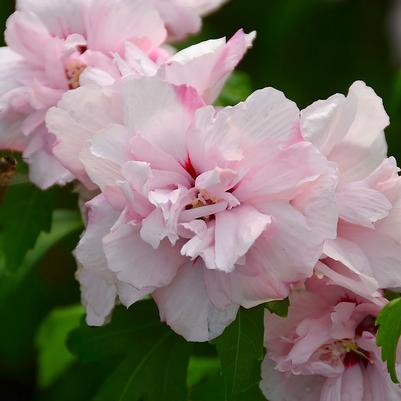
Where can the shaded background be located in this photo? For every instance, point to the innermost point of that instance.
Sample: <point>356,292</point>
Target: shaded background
<point>310,49</point>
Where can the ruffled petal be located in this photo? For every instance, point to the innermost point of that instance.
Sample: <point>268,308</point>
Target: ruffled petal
<point>135,262</point>
<point>277,386</point>
<point>185,306</point>
<point>215,58</point>
<point>109,24</point>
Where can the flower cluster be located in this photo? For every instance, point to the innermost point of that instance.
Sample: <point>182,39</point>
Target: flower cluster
<point>209,209</point>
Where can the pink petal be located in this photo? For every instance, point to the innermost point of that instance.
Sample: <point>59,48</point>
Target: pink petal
<point>215,58</point>
<point>45,170</point>
<point>331,389</point>
<point>349,131</point>
<point>104,156</point>
<point>353,384</point>
<point>363,285</point>
<point>186,308</point>
<point>80,115</point>
<point>109,24</point>
<point>256,128</point>
<point>174,107</point>
<point>98,285</point>
<point>135,262</point>
<point>26,35</point>
<point>236,231</point>
<point>248,285</point>
<point>61,18</point>
<point>317,203</point>
<point>180,20</point>
<point>383,253</point>
<point>290,250</point>
<point>359,204</point>
<point>277,386</point>
<point>284,176</point>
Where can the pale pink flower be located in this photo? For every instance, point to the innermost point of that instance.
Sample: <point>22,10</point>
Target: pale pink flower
<point>349,131</point>
<point>55,46</point>
<point>206,210</point>
<point>184,17</point>
<point>325,350</point>
<point>204,66</point>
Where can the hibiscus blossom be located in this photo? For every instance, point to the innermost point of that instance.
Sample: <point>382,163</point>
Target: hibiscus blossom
<point>53,47</point>
<point>204,66</point>
<point>349,131</point>
<point>206,210</point>
<point>325,349</point>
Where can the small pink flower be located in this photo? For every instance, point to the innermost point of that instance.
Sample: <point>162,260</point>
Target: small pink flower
<point>55,46</point>
<point>183,17</point>
<point>349,131</point>
<point>325,350</point>
<point>206,210</point>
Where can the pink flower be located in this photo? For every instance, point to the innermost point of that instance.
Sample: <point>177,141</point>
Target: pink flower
<point>326,349</point>
<point>204,66</point>
<point>183,17</point>
<point>206,210</point>
<point>349,131</point>
<point>55,46</point>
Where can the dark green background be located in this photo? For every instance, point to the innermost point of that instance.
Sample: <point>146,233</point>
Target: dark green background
<point>310,49</point>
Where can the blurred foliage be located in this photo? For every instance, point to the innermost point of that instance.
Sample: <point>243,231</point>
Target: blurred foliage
<point>26,211</point>
<point>309,49</point>
<point>53,356</point>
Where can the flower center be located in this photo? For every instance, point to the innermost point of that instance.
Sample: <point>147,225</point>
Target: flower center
<point>202,207</point>
<point>73,71</point>
<point>345,351</point>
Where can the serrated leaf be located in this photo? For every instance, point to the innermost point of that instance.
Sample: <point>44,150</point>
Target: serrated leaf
<point>240,350</point>
<point>388,335</point>
<point>279,308</point>
<point>53,355</point>
<point>24,214</point>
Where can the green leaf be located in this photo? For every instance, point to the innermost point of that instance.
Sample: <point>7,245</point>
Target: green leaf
<point>388,335</point>
<point>24,214</point>
<point>240,350</point>
<point>29,294</point>
<point>80,382</point>
<point>64,223</point>
<point>53,355</point>
<point>93,344</point>
<point>200,368</point>
<point>211,389</point>
<point>237,88</point>
<point>154,370</point>
<point>154,360</point>
<point>279,308</point>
